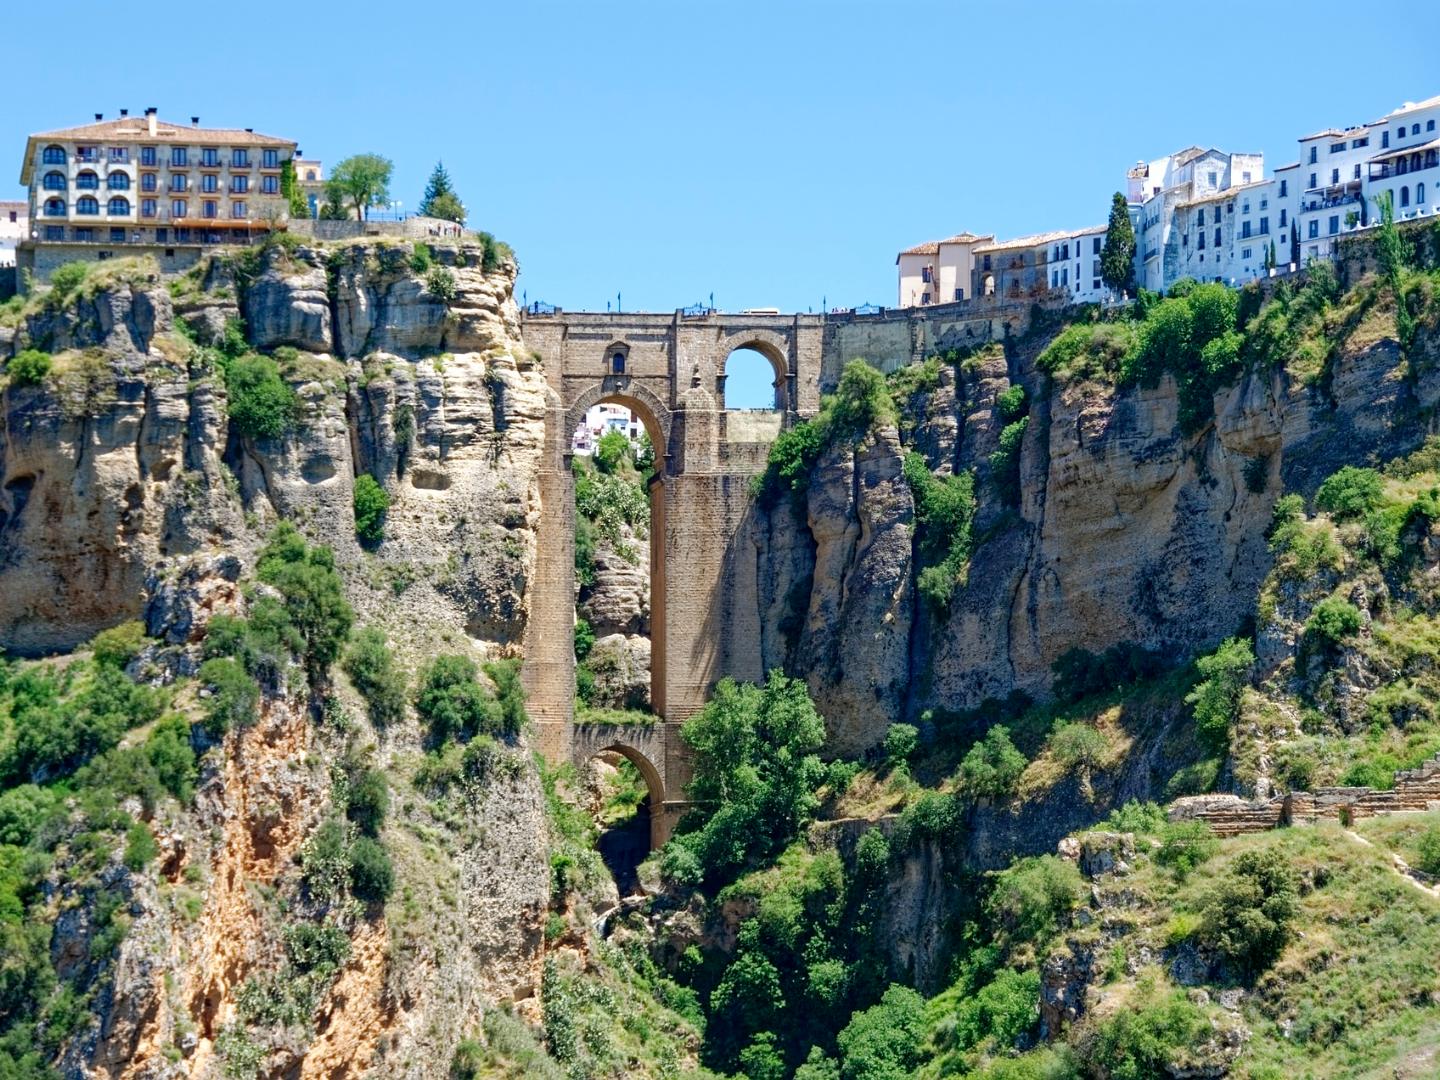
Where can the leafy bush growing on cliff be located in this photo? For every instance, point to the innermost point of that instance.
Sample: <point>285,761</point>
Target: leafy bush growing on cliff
<point>944,511</point>
<point>1249,913</point>
<point>261,405</point>
<point>1005,462</point>
<point>992,767</point>
<point>371,666</point>
<point>28,367</point>
<point>1224,675</point>
<point>234,696</point>
<point>1350,493</point>
<point>1332,621</point>
<point>314,596</point>
<point>371,501</point>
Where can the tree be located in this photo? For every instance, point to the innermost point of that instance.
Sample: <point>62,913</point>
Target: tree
<point>290,191</point>
<point>1248,915</point>
<point>440,199</point>
<point>1117,257</point>
<point>371,502</point>
<point>361,181</point>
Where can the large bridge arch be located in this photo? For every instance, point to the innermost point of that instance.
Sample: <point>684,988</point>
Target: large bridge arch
<point>773,347</point>
<point>643,747</point>
<point>622,389</point>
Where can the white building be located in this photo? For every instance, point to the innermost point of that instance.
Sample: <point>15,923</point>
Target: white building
<point>938,272</point>
<point>1347,170</point>
<point>1182,184</point>
<point>14,225</point>
<point>604,418</point>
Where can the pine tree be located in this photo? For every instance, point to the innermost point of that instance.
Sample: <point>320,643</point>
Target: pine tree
<point>440,199</point>
<point>1117,257</point>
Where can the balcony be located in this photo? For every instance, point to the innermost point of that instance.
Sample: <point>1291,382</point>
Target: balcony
<point>1388,171</point>
<point>1331,203</point>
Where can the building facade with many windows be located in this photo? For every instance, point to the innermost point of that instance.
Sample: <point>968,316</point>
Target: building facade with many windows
<point>114,186</point>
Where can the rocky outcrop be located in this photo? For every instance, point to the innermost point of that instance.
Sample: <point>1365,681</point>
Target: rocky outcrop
<point>287,302</point>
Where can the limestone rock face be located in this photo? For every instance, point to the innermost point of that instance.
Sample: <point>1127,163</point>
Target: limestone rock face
<point>621,665</point>
<point>619,601</point>
<point>287,303</point>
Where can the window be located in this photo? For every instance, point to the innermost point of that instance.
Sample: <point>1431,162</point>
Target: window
<point>1065,250</point>
<point>1244,230</point>
<point>1245,207</point>
<point>179,157</point>
<point>149,181</point>
<point>1405,196</point>
<point>310,173</point>
<point>1264,203</point>
<point>239,159</point>
<point>1245,253</point>
<point>269,185</point>
<point>1065,277</point>
<point>1200,243</point>
<point>119,154</point>
<point>54,232</point>
<point>179,182</point>
<point>1095,284</point>
<point>1284,188</point>
<point>270,159</point>
<point>924,299</point>
<point>986,265</point>
<point>208,208</point>
<point>1400,133</point>
<point>240,184</point>
<point>1334,176</point>
<point>959,294</point>
<point>118,181</point>
<point>177,208</point>
<point>1313,151</point>
<point>1201,219</point>
<point>1095,249</point>
<point>1244,177</point>
<point>1414,129</point>
<point>54,207</point>
<point>85,236</point>
<point>119,207</point>
<point>1384,139</point>
<point>1217,237</point>
<point>117,235</point>
<point>1356,144</point>
<point>210,157</point>
<point>85,153</point>
<point>1357,171</point>
<point>1334,224</point>
<point>1313,184</point>
<point>925,274</point>
<point>1264,226</point>
<point>87,204</point>
<point>1337,148</point>
<point>209,182</point>
<point>1429,125</point>
<point>54,181</point>
<point>53,155</point>
<point>1212,179</point>
<point>147,207</point>
<point>88,181</point>
<point>1419,194</point>
<point>1314,229</point>
<point>148,156</point>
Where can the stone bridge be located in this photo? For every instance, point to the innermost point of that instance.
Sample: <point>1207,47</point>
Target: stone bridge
<point>704,601</point>
<point>670,371</point>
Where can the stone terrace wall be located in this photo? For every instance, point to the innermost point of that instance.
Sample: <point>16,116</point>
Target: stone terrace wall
<point>1229,815</point>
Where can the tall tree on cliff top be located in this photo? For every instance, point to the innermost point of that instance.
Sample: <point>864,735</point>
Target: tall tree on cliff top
<point>361,181</point>
<point>1117,257</point>
<point>440,200</point>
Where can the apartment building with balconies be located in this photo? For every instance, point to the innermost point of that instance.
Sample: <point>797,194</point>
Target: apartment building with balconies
<point>133,184</point>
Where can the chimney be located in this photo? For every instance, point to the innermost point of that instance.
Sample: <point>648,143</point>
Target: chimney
<point>150,120</point>
<point>99,116</point>
<point>249,131</point>
<point>194,121</point>
<point>124,112</point>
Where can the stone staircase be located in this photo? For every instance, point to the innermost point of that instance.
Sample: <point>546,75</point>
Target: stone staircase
<point>1416,790</point>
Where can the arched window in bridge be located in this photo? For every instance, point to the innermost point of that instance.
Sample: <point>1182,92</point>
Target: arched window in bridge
<point>750,381</point>
<point>617,363</point>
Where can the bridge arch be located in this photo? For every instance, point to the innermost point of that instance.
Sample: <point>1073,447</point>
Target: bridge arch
<point>773,347</point>
<point>639,399</point>
<point>643,747</point>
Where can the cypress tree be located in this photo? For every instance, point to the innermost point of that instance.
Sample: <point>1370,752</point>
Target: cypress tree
<point>439,193</point>
<point>1117,257</point>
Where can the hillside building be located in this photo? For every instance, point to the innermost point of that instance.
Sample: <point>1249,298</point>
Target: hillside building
<point>14,225</point>
<point>141,184</point>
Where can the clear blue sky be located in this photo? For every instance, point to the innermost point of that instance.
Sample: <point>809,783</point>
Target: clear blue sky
<point>771,153</point>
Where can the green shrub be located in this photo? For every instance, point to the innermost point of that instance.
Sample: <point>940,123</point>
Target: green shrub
<point>1002,1012</point>
<point>140,847</point>
<point>1350,493</point>
<point>261,404</point>
<point>1137,817</point>
<point>452,702</point>
<point>612,451</point>
<point>1186,845</point>
<point>1224,675</point>
<point>28,367</point>
<point>1078,745</point>
<point>1249,913</point>
<point>314,597</point>
<point>1011,403</point>
<point>23,809</point>
<point>372,878</point>
<point>584,639</point>
<point>119,645</point>
<point>367,800</point>
<point>67,278</point>
<point>372,668</point>
<point>934,816</point>
<point>420,258</point>
<point>371,502</point>
<point>993,766</point>
<point>440,283</point>
<point>884,1041</point>
<point>1080,673</point>
<point>901,742</point>
<point>1194,779</point>
<point>1028,900</point>
<point>1427,847</point>
<point>944,512</point>
<point>1140,1044</point>
<point>509,695</point>
<point>1333,620</point>
<point>1005,462</point>
<point>234,696</point>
